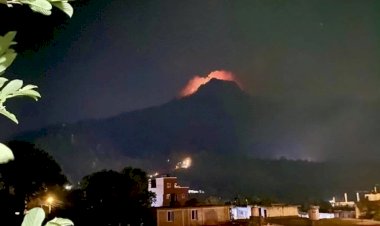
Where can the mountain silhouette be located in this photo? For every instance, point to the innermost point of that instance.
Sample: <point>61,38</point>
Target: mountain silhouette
<point>224,131</point>
<point>217,118</point>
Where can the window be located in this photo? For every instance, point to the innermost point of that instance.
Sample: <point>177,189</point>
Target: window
<point>170,216</point>
<point>194,214</point>
<point>153,183</point>
<point>167,196</point>
<point>168,185</point>
<point>183,196</point>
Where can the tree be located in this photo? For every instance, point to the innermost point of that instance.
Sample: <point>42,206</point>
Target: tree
<point>42,6</point>
<point>14,88</point>
<point>30,177</point>
<point>114,198</point>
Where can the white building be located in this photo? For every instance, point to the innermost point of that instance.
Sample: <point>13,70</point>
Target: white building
<point>345,202</point>
<point>240,212</point>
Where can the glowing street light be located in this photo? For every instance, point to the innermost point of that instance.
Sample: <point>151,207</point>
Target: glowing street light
<point>50,201</point>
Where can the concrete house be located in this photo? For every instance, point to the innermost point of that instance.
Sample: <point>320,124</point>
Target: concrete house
<point>189,216</point>
<point>275,210</point>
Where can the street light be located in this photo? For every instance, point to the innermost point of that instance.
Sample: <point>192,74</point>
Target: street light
<point>50,201</point>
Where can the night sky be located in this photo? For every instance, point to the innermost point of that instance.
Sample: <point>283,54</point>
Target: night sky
<point>318,61</point>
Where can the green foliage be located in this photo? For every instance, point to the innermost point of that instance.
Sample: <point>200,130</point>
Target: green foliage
<point>59,222</point>
<point>43,6</point>
<point>36,216</point>
<point>13,88</point>
<point>5,154</point>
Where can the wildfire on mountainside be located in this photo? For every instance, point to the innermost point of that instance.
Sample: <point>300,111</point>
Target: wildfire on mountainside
<point>194,83</point>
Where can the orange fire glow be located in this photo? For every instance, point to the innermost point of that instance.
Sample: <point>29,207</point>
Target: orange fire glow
<point>194,83</point>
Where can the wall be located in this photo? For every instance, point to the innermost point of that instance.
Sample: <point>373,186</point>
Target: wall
<point>166,194</point>
<point>211,215</point>
<point>275,211</point>
<point>282,211</point>
<point>372,197</point>
<point>159,191</point>
<point>181,193</point>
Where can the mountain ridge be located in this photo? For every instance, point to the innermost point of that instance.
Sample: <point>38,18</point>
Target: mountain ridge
<point>218,129</point>
<point>212,119</point>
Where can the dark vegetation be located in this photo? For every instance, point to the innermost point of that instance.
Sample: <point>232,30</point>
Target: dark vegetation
<point>281,180</point>
<point>102,198</point>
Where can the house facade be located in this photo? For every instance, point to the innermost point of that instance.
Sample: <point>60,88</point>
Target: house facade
<point>191,216</point>
<point>168,192</point>
<point>275,211</point>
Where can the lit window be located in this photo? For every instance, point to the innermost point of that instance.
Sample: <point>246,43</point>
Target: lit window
<point>194,214</point>
<point>168,185</point>
<point>170,216</point>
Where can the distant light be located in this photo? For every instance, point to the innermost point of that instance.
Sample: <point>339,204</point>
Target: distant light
<point>17,213</point>
<point>153,175</point>
<point>68,187</point>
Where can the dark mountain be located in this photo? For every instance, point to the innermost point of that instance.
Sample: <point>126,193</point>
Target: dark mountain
<point>217,118</point>
<point>224,131</point>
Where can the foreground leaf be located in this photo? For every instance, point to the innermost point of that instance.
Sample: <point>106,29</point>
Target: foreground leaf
<point>43,11</point>
<point>6,154</point>
<point>2,81</point>
<point>10,88</point>
<point>65,7</point>
<point>7,114</point>
<point>43,4</point>
<point>60,222</point>
<point>34,217</point>
<point>6,41</point>
<point>6,60</point>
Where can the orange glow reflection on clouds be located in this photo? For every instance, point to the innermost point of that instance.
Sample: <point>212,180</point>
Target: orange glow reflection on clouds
<point>194,83</point>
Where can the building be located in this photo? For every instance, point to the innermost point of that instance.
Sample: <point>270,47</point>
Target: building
<point>275,210</point>
<point>240,212</point>
<point>188,216</point>
<point>372,197</point>
<point>345,202</point>
<point>168,192</point>
<point>344,214</point>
